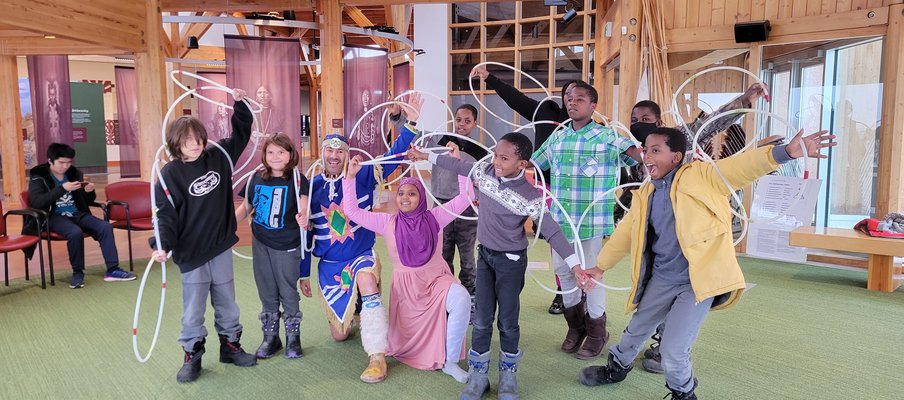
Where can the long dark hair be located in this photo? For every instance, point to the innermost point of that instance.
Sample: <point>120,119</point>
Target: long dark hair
<point>283,141</point>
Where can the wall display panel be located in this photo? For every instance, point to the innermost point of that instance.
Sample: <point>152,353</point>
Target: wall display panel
<point>463,13</point>
<point>500,36</point>
<point>536,64</point>
<point>465,38</point>
<point>569,62</point>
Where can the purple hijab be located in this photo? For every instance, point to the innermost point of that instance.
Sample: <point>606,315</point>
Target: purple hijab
<point>416,231</point>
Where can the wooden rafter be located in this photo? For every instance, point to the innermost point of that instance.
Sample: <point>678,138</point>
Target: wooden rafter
<point>193,29</point>
<point>358,16</point>
<point>236,5</point>
<point>33,46</point>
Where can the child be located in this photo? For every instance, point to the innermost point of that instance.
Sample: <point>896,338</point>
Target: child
<point>197,223</point>
<point>584,159</point>
<point>278,212</point>
<point>684,263</point>
<point>506,200</point>
<point>428,309</point>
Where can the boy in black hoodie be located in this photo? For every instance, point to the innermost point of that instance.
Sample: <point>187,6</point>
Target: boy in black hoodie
<point>60,189</point>
<point>196,220</point>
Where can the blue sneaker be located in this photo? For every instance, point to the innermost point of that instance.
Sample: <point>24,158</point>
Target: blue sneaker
<point>118,274</point>
<point>77,281</point>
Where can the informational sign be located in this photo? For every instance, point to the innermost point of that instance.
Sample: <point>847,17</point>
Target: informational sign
<point>89,134</point>
<point>780,205</point>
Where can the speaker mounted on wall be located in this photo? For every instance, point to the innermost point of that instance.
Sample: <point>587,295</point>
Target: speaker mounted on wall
<point>754,31</point>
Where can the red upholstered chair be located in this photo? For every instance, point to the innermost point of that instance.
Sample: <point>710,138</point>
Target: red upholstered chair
<point>44,228</point>
<point>129,208</point>
<point>10,243</point>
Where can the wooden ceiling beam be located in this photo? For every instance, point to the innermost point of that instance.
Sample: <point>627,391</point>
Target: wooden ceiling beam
<point>358,16</point>
<point>118,24</point>
<point>236,5</point>
<point>35,46</point>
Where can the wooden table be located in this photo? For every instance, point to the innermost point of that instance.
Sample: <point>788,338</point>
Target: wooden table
<point>881,251</point>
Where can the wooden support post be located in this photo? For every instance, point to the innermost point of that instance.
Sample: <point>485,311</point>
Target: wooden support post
<point>630,59</point>
<point>315,136</point>
<point>151,74</point>
<point>890,191</point>
<point>11,133</point>
<point>331,66</point>
<point>598,67</point>
<point>754,65</point>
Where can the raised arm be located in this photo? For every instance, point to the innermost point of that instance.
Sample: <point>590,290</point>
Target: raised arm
<point>523,105</point>
<point>241,128</point>
<point>372,221</point>
<point>456,205</point>
<point>745,100</point>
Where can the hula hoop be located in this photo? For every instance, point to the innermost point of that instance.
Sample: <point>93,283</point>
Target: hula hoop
<point>477,98</point>
<point>144,279</point>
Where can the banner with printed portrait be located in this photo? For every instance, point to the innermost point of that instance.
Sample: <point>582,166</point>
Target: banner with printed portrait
<point>216,118</point>
<point>268,70</point>
<point>127,117</point>
<point>51,104</point>
<point>364,86</point>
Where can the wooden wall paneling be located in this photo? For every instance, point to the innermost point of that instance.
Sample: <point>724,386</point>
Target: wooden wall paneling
<point>11,132</point>
<point>828,6</point>
<point>859,4</point>
<point>705,13</point>
<point>681,13</point>
<point>874,3</point>
<point>758,10</point>
<point>150,72</point>
<point>718,12</point>
<point>110,23</point>
<point>814,7</point>
<point>667,9</point>
<point>608,47</point>
<point>744,11</point>
<point>842,5</point>
<point>799,8</point>
<point>693,13</point>
<point>784,9</point>
<point>890,191</point>
<point>731,12</point>
<point>771,9</point>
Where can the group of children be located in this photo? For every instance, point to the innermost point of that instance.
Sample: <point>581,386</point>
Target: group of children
<point>684,264</point>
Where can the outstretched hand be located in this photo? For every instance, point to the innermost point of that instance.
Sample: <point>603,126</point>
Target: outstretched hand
<point>455,151</point>
<point>354,165</point>
<point>414,102</point>
<point>756,91</point>
<point>814,143</point>
<point>480,71</point>
<point>238,94</point>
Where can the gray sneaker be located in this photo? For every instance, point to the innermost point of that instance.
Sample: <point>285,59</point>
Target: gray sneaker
<point>77,281</point>
<point>118,274</point>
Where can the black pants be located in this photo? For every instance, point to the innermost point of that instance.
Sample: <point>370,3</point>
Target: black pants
<point>500,278</point>
<point>73,229</point>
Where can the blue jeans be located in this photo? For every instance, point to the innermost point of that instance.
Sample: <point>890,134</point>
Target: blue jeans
<point>500,278</point>
<point>73,229</point>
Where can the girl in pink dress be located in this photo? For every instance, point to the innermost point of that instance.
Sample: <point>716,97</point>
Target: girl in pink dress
<point>429,309</point>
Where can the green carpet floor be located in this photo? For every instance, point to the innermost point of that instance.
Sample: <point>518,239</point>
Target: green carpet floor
<point>801,333</point>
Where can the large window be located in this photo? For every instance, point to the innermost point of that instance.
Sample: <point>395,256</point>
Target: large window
<point>526,35</point>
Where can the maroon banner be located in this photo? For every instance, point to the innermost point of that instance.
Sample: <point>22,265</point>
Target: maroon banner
<point>216,118</point>
<point>268,69</point>
<point>127,115</point>
<point>401,78</point>
<point>52,106</point>
<point>364,86</point>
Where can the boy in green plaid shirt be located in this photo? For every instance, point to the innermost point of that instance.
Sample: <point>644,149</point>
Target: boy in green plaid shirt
<point>584,159</point>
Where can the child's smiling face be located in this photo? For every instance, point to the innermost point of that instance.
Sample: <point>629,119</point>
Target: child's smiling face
<point>658,157</point>
<point>506,161</point>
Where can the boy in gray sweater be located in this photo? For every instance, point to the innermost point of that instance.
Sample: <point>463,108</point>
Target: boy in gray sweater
<point>505,200</point>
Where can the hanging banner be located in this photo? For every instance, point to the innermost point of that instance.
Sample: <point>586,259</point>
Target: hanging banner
<point>216,118</point>
<point>268,69</point>
<point>51,104</point>
<point>127,114</point>
<point>88,124</point>
<point>364,86</point>
<point>401,81</point>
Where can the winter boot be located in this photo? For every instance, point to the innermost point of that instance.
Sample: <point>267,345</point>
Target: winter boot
<point>374,339</point>
<point>293,338</point>
<point>478,376</point>
<point>676,395</point>
<point>652,361</point>
<point>557,306</point>
<point>597,336</point>
<point>577,331</point>
<point>508,382</point>
<point>271,343</point>
<point>605,374</point>
<point>191,366</point>
<point>232,353</point>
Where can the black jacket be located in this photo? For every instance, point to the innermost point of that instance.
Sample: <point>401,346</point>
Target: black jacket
<point>43,192</point>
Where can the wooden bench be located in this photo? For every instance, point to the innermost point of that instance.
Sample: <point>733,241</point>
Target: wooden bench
<point>881,251</point>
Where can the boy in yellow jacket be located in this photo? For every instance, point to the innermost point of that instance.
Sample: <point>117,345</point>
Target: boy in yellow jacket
<point>684,263</point>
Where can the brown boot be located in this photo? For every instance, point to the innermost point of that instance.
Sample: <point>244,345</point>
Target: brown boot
<point>574,316</point>
<point>597,336</point>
